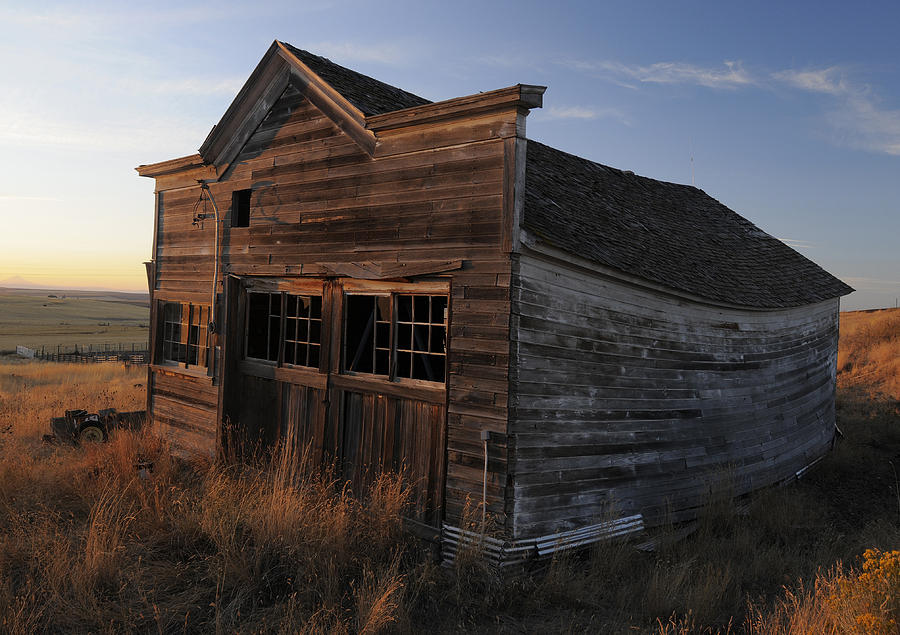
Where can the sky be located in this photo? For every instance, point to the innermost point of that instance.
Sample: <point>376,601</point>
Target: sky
<point>787,112</point>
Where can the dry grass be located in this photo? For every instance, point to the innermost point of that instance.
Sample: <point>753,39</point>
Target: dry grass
<point>89,544</point>
<point>869,351</point>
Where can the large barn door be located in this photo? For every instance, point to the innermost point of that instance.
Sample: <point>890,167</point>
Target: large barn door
<point>348,374</point>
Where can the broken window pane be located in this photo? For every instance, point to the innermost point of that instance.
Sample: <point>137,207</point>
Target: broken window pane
<point>366,315</point>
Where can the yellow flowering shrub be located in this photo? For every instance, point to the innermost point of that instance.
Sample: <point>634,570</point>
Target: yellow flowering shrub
<point>871,598</point>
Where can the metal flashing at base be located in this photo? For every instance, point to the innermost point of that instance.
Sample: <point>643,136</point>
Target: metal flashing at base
<point>505,553</point>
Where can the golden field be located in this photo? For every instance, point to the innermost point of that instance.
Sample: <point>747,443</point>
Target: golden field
<point>30,317</point>
<point>88,543</point>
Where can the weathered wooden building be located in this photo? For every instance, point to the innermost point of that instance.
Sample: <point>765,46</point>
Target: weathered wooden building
<point>398,283</point>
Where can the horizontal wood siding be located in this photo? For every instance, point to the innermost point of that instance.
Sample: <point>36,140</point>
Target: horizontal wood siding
<point>640,402</point>
<point>183,409</point>
<point>430,193</point>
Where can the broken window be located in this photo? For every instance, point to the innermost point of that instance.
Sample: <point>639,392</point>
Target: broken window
<point>367,335</point>
<point>418,324</point>
<point>184,333</point>
<point>263,325</point>
<point>301,318</point>
<point>240,208</point>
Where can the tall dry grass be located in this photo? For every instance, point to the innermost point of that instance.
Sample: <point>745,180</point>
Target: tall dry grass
<point>869,351</point>
<point>88,543</point>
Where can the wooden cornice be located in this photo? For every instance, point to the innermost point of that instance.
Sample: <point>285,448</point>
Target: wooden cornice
<point>523,96</point>
<point>171,166</point>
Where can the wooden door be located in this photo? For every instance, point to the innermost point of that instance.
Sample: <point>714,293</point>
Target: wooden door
<point>356,419</point>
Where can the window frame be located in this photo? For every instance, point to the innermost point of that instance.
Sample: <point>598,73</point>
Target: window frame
<point>240,208</point>
<point>283,318</point>
<point>189,335</point>
<point>393,357</point>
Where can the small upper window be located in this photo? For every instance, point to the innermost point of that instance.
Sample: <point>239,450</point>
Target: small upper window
<point>240,208</point>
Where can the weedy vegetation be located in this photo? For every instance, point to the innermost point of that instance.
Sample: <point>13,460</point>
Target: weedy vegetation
<point>91,543</point>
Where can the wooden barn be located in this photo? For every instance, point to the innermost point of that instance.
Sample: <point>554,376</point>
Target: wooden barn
<point>393,283</point>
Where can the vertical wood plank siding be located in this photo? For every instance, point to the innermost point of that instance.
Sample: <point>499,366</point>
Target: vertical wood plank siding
<point>642,401</point>
<point>432,192</point>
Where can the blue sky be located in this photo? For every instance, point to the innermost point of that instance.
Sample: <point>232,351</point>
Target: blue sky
<point>791,111</point>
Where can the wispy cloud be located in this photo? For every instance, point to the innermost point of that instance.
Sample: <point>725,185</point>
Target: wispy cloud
<point>856,117</point>
<point>825,80</point>
<point>730,75</point>
<point>582,113</point>
<point>20,128</point>
<point>347,52</point>
<point>188,86</point>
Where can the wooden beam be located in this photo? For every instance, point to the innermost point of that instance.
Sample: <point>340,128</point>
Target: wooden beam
<point>373,270</point>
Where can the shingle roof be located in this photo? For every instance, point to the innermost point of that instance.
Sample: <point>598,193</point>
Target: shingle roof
<point>674,235</point>
<point>371,96</point>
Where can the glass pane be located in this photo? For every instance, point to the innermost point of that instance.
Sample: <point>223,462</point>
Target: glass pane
<point>315,307</point>
<point>289,353</point>
<point>403,365</point>
<point>303,309</point>
<point>404,308</point>
<point>313,356</point>
<point>420,337</point>
<point>315,331</point>
<point>300,358</point>
<point>290,309</point>
<point>302,330</point>
<point>404,337</point>
<point>421,311</point>
<point>438,309</point>
<point>275,304</point>
<point>274,335</point>
<point>438,339</point>
<point>424,367</point>
<point>381,362</point>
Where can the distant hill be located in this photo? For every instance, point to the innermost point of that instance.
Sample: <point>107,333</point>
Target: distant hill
<point>92,294</point>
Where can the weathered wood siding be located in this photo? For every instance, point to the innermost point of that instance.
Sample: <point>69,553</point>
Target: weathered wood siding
<point>431,192</point>
<point>183,408</point>
<point>626,397</point>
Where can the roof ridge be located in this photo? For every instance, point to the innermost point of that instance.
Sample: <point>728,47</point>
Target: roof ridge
<point>372,96</point>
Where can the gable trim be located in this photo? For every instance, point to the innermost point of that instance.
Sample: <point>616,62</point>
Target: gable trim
<point>278,68</point>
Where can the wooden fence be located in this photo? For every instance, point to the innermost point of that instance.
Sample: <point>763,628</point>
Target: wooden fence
<point>131,353</point>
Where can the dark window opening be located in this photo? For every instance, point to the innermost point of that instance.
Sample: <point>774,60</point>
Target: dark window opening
<point>367,335</point>
<point>409,342</point>
<point>185,333</point>
<point>301,317</point>
<point>240,208</point>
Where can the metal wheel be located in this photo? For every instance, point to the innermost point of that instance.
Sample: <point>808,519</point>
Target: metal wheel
<point>92,433</point>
